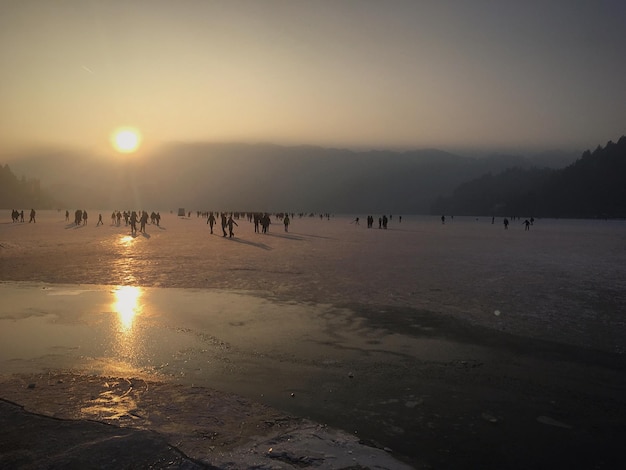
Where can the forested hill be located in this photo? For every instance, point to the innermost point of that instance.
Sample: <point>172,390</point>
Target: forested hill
<point>264,177</point>
<point>592,186</point>
<point>21,193</point>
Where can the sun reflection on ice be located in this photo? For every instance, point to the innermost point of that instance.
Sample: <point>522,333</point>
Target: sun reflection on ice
<point>125,240</point>
<point>125,263</point>
<point>127,306</point>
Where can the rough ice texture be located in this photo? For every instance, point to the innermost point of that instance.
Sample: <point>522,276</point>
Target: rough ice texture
<point>563,280</point>
<point>448,385</point>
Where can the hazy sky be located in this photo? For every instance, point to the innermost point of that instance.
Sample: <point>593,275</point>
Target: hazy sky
<point>482,74</point>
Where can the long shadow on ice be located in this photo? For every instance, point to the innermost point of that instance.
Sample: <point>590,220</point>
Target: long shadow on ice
<point>263,246</point>
<point>314,236</point>
<point>287,236</point>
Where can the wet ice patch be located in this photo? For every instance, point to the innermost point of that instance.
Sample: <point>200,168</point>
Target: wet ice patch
<point>552,422</point>
<point>67,292</point>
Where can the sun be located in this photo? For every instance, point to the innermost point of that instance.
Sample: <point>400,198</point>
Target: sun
<point>126,140</point>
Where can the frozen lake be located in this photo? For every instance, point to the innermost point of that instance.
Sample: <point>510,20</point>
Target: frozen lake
<point>564,280</point>
<point>379,332</point>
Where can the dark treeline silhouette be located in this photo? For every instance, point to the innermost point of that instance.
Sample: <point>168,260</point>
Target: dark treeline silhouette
<point>21,192</point>
<point>593,186</point>
<point>239,175</point>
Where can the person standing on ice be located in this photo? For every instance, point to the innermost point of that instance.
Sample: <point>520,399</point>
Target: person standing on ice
<point>133,223</point>
<point>506,223</point>
<point>224,222</point>
<point>230,224</point>
<point>265,222</point>
<point>211,221</point>
<point>142,221</point>
<point>286,222</point>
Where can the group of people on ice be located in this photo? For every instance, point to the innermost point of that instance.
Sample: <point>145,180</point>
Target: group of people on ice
<point>18,216</point>
<point>228,221</point>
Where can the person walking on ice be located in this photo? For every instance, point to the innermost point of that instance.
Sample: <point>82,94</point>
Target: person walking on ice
<point>224,223</point>
<point>99,220</point>
<point>211,221</point>
<point>286,222</point>
<point>230,224</point>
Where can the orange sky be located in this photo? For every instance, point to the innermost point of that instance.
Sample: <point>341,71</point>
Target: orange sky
<point>452,75</point>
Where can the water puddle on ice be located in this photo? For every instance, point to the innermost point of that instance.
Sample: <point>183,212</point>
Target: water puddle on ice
<point>312,360</point>
<point>238,341</point>
<point>199,334</point>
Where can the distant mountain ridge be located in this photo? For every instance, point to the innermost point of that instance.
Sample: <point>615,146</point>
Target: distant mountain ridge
<point>261,177</point>
<point>592,186</point>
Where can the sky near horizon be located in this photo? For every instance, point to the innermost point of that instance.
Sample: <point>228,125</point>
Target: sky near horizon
<point>455,75</point>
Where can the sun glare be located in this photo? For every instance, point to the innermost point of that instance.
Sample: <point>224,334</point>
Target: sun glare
<point>126,140</point>
<point>127,305</point>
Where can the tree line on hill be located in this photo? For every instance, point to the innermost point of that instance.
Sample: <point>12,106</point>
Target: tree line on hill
<point>264,177</point>
<point>271,178</point>
<point>594,186</point>
<point>22,193</point>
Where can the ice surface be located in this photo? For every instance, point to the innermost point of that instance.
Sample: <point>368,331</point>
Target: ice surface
<point>563,280</point>
<point>369,329</point>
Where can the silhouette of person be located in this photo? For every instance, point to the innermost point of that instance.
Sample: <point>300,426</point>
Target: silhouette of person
<point>527,225</point>
<point>286,222</point>
<point>133,223</point>
<point>211,221</point>
<point>265,222</point>
<point>67,216</point>
<point>224,222</point>
<point>32,216</point>
<point>230,224</point>
<point>356,221</point>
<point>443,219</point>
<point>142,221</point>
<point>506,223</point>
<point>99,220</point>
<point>84,217</point>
